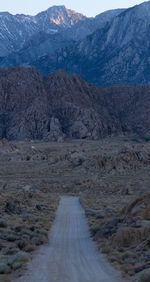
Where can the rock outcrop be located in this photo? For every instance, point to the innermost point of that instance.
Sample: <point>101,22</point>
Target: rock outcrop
<point>61,106</point>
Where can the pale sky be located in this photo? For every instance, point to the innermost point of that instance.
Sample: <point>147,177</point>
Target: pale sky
<point>86,7</point>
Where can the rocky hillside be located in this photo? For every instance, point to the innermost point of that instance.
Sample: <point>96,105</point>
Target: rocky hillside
<point>14,31</point>
<point>59,106</point>
<point>118,53</point>
<point>35,47</point>
<point>89,25</point>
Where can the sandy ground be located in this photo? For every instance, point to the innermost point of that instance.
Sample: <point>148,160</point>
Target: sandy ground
<point>71,256</point>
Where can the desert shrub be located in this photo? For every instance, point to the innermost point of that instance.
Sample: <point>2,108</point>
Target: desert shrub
<point>146,213</point>
<point>146,139</point>
<point>94,230</point>
<point>27,158</point>
<point>145,277</point>
<point>128,236</point>
<point>122,238</point>
<point>137,140</point>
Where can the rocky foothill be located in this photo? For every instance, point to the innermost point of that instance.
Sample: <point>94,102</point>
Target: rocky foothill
<point>60,106</point>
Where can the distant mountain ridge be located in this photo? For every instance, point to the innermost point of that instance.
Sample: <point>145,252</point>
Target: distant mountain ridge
<point>118,53</point>
<point>17,30</point>
<point>111,49</point>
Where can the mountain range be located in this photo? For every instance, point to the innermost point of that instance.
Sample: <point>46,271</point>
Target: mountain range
<point>65,73</point>
<point>112,48</point>
<point>26,39</point>
<point>62,106</point>
<point>17,30</point>
<point>118,53</point>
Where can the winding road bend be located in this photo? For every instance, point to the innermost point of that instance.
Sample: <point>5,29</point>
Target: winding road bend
<point>71,256</point>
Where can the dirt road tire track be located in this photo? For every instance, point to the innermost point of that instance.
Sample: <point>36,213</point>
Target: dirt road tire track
<point>71,256</point>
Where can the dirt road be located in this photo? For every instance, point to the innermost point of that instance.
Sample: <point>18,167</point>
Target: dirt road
<point>71,256</point>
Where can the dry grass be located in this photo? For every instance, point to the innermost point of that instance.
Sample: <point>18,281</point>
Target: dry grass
<point>127,237</point>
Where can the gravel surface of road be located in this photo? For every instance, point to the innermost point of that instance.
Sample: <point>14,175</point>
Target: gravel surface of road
<point>71,255</point>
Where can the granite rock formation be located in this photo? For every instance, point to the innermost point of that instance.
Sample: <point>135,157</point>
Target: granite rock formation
<point>59,106</point>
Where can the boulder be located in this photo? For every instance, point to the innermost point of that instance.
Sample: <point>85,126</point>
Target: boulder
<point>77,159</point>
<point>55,130</point>
<point>79,130</point>
<point>27,188</point>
